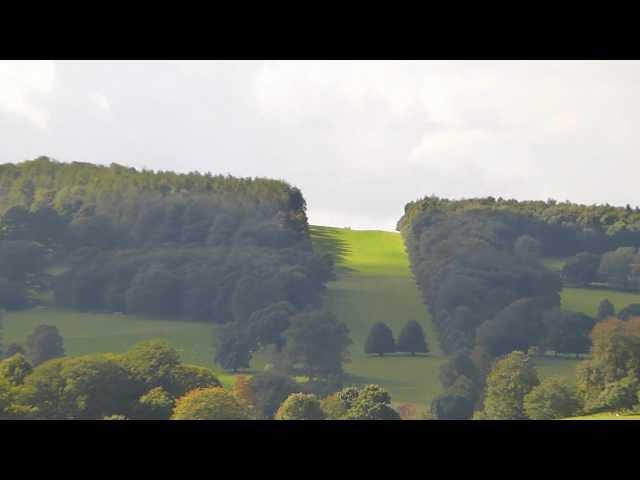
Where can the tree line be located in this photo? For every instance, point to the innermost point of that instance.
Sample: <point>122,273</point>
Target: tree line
<point>477,263</point>
<point>232,252</point>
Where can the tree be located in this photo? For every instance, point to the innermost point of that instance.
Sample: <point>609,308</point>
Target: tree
<point>233,347</point>
<point>451,407</point>
<point>609,380</point>
<point>553,398</point>
<point>606,309</point>
<point>243,391</point>
<point>267,324</point>
<point>581,270</point>
<point>270,390</point>
<point>517,327</point>
<point>212,403</point>
<point>527,248</point>
<point>184,378</point>
<point>567,332</point>
<point>316,342</point>
<point>511,378</point>
<point>300,406</point>
<point>616,267</point>
<point>333,407</point>
<point>155,290</point>
<point>13,295</point>
<point>372,403</point>
<point>15,369</point>
<point>44,343</point>
<point>380,340</point>
<point>156,404</point>
<point>412,339</point>
<point>87,387</point>
<point>12,349</point>
<point>629,311</point>
<point>151,364</point>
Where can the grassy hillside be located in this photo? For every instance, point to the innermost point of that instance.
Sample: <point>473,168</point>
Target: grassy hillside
<point>375,284</point>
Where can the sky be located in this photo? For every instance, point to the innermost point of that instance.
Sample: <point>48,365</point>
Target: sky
<point>359,138</point>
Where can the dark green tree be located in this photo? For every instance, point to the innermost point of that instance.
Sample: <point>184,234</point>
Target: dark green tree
<point>411,339</point>
<point>233,347</point>
<point>606,309</point>
<point>270,390</point>
<point>629,311</point>
<point>581,270</point>
<point>44,343</point>
<point>451,407</point>
<point>316,343</point>
<point>380,340</point>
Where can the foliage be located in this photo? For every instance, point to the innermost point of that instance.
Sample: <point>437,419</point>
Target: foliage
<point>316,343</point>
<point>333,407</point>
<point>380,340</point>
<point>451,407</point>
<point>510,380</point>
<point>300,406</point>
<point>629,311</point>
<point>233,347</point>
<point>567,332</point>
<point>156,404</point>
<point>44,343</point>
<point>270,390</point>
<point>372,403</point>
<point>609,380</point>
<point>553,398</point>
<point>581,270</point>
<point>212,403</point>
<point>411,339</point>
<point>15,369</point>
<point>606,309</point>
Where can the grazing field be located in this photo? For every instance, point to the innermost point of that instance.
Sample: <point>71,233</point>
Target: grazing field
<point>86,333</point>
<point>586,300</point>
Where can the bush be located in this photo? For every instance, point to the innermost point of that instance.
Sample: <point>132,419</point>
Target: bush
<point>209,404</point>
<point>300,406</point>
<point>552,399</point>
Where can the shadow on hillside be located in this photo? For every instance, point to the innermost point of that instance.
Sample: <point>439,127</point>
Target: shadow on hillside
<point>326,242</point>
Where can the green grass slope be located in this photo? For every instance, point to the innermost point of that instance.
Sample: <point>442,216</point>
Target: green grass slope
<point>375,285</point>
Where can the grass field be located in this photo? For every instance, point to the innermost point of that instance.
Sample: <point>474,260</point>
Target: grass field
<point>86,333</point>
<point>586,300</point>
<point>607,416</point>
<point>375,285</point>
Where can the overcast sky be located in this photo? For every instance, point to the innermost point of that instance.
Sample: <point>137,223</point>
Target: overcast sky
<point>360,139</point>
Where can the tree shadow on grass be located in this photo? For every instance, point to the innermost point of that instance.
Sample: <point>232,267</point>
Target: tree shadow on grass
<point>325,241</point>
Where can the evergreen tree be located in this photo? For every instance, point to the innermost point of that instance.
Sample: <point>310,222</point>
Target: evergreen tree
<point>44,344</point>
<point>380,340</point>
<point>412,339</point>
<point>606,309</point>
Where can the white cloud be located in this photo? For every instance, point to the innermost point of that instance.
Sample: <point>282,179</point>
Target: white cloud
<point>360,138</point>
<point>21,82</point>
<point>100,100</point>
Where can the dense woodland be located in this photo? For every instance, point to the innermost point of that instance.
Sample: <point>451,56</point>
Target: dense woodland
<point>231,252</point>
<point>478,264</point>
